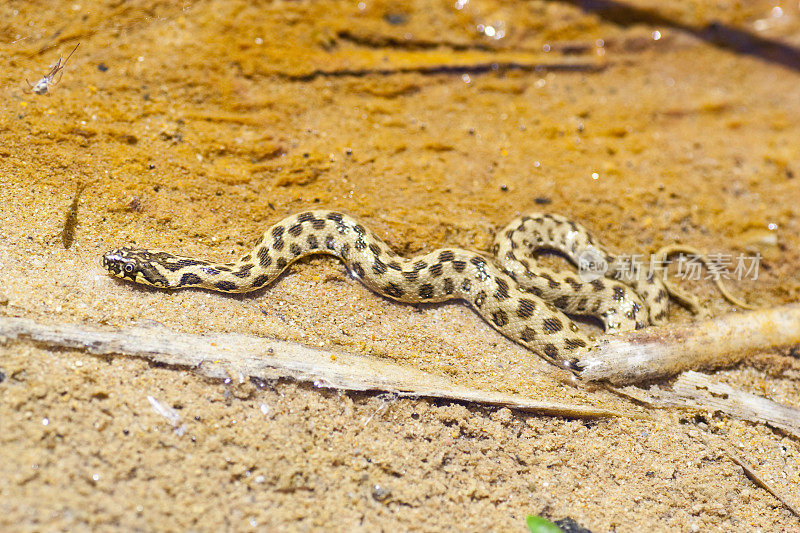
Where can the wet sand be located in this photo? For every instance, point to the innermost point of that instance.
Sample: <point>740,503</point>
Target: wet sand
<point>195,126</point>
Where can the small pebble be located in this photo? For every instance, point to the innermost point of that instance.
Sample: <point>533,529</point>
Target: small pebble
<point>395,19</point>
<point>380,493</point>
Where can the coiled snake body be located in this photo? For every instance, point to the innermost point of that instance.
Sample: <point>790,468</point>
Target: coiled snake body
<point>521,299</point>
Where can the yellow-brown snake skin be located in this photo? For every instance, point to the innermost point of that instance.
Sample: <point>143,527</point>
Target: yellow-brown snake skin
<point>519,298</point>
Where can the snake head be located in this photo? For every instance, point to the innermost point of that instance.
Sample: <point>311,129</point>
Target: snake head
<point>135,265</point>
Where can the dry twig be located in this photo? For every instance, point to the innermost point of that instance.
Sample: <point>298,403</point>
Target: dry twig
<point>664,351</point>
<point>215,355</point>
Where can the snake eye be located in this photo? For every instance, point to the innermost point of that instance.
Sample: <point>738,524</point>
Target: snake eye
<point>128,268</point>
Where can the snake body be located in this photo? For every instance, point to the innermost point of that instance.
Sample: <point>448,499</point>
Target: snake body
<point>521,299</point>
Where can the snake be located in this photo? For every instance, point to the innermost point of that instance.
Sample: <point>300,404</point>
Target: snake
<point>507,286</point>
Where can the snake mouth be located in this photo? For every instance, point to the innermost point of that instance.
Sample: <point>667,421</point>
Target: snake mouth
<point>118,265</point>
<point>134,264</point>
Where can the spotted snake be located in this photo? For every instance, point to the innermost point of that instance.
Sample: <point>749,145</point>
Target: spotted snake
<point>518,297</point>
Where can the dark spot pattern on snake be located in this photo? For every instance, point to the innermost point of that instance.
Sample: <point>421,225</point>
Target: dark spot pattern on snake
<point>511,292</point>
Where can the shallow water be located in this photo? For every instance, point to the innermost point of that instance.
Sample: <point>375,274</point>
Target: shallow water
<point>196,125</point>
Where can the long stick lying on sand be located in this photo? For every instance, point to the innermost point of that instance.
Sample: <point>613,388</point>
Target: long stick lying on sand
<point>220,354</point>
<point>663,351</point>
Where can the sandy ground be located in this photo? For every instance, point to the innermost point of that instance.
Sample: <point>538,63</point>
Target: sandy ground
<point>194,125</point>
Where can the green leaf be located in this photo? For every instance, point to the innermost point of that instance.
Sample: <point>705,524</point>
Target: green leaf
<point>537,524</point>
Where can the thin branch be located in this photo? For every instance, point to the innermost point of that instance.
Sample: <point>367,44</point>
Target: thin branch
<point>216,355</point>
<point>659,352</point>
<point>697,391</point>
<point>430,70</point>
